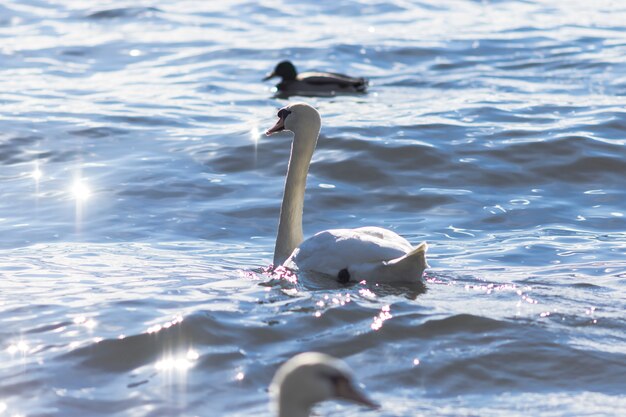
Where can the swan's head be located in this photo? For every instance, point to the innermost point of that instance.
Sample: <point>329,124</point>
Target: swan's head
<point>285,69</point>
<point>298,117</point>
<point>309,378</point>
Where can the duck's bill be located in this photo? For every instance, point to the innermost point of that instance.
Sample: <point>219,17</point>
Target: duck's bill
<point>348,392</point>
<point>269,76</point>
<point>278,127</point>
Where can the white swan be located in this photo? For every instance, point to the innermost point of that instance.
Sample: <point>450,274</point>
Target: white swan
<point>309,378</point>
<point>366,253</point>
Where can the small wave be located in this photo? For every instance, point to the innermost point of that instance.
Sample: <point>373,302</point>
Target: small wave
<point>460,323</point>
<point>170,338</point>
<point>123,12</point>
<point>99,132</point>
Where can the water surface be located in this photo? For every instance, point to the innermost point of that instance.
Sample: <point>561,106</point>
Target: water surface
<point>139,201</point>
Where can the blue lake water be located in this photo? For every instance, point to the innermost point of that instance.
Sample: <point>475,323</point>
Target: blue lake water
<point>139,201</point>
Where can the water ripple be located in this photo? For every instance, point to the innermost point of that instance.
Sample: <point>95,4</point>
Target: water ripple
<point>139,204</point>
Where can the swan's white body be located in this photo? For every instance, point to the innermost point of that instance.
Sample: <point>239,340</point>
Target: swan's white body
<point>366,253</point>
<point>310,378</point>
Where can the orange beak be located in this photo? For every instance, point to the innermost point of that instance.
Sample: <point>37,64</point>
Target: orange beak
<point>279,126</point>
<point>348,392</point>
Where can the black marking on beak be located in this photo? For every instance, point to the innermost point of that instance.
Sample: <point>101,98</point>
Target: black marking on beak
<point>280,124</point>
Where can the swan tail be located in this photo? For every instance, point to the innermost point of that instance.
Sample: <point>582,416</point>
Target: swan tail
<point>412,264</point>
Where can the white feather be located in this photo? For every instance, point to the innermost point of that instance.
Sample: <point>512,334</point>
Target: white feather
<point>330,251</point>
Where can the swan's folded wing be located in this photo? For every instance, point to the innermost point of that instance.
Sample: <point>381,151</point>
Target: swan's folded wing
<point>330,251</point>
<point>390,237</point>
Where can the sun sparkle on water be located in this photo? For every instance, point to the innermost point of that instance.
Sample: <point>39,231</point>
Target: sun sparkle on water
<point>19,347</point>
<point>177,363</point>
<point>254,133</point>
<point>80,190</point>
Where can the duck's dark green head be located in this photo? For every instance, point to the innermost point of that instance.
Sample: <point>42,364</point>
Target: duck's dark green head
<point>285,69</point>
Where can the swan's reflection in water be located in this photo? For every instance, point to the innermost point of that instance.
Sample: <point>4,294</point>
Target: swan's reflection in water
<point>332,299</point>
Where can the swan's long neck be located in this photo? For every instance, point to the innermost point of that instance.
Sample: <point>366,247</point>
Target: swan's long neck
<point>290,223</point>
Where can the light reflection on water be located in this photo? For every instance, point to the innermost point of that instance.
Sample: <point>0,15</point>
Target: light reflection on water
<point>80,190</point>
<point>179,363</point>
<point>20,347</point>
<point>36,174</point>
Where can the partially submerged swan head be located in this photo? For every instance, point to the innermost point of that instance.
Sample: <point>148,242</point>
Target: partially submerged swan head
<point>284,69</point>
<point>298,118</point>
<point>310,378</point>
